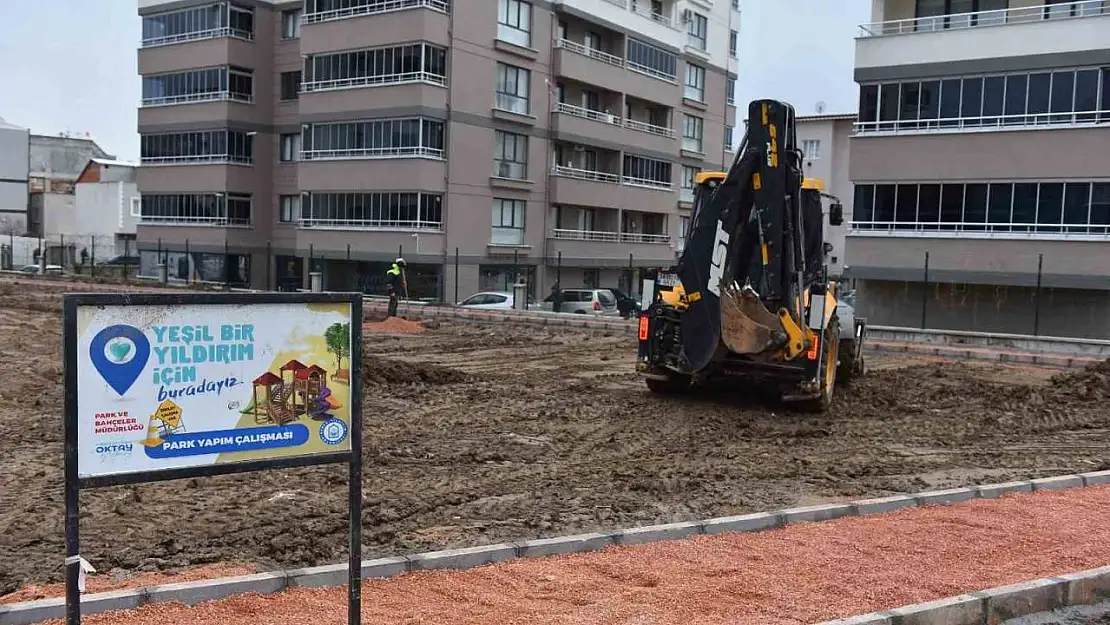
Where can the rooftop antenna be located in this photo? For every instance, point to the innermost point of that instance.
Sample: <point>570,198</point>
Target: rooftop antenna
<point>820,107</point>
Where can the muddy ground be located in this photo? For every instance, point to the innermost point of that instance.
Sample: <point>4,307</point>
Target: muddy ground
<point>479,434</point>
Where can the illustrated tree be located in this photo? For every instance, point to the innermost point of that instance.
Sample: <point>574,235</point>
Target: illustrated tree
<point>338,339</point>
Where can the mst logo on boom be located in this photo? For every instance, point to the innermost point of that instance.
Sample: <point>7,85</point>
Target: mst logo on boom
<point>717,263</point>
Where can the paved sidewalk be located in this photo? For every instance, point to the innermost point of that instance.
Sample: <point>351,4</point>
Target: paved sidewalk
<point>796,575</point>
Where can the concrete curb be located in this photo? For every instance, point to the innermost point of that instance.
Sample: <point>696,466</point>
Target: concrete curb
<point>1078,589</point>
<point>997,605</point>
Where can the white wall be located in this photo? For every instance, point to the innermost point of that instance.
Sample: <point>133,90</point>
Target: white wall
<point>104,208</point>
<point>832,167</point>
<point>719,15</point>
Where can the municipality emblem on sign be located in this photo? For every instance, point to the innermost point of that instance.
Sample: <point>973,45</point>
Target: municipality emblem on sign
<point>333,431</point>
<point>119,354</point>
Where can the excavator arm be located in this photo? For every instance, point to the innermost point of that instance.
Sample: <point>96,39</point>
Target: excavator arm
<point>746,252</point>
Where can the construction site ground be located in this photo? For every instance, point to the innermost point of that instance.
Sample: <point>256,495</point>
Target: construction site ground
<point>479,434</point>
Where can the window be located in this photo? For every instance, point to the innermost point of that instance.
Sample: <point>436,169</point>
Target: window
<point>290,147</point>
<point>728,137</point>
<point>380,138</point>
<point>514,22</point>
<point>291,24</point>
<point>510,158</point>
<point>214,209</point>
<point>689,175</point>
<point>290,209</point>
<point>290,85</point>
<point>508,222</point>
<point>136,207</point>
<point>683,231</point>
<point>811,148</point>
<point>513,89</point>
<point>648,59</point>
<point>692,133</point>
<point>208,146</point>
<point>219,19</point>
<point>945,14</point>
<point>392,210</point>
<point>591,40</point>
<point>695,83</point>
<point>200,85</point>
<point>998,207</point>
<point>730,91</point>
<point>416,62</point>
<point>732,43</point>
<point>647,172</point>
<point>696,32</point>
<point>1020,99</point>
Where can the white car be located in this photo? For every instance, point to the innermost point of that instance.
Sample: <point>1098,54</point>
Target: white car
<point>489,300</point>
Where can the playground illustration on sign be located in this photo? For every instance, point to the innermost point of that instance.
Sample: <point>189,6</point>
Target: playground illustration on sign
<point>169,387</point>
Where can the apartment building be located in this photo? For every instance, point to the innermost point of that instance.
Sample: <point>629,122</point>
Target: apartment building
<point>981,166</point>
<point>480,140</point>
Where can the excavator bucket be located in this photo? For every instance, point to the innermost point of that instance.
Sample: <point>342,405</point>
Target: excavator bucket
<point>747,327</point>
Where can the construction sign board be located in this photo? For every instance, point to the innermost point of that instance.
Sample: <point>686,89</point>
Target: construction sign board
<point>169,386</point>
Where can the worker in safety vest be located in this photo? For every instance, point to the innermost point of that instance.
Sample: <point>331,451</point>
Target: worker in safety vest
<point>397,285</point>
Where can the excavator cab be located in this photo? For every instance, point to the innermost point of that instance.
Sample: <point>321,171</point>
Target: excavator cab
<point>753,299</point>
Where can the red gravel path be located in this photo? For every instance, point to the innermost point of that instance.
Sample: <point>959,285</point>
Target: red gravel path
<point>800,574</point>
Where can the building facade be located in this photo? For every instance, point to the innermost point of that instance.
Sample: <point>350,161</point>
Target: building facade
<point>981,163</point>
<point>481,141</point>
<point>824,140</point>
<point>14,159</point>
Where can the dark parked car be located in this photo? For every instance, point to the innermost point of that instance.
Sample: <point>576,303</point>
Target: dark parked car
<point>627,305</point>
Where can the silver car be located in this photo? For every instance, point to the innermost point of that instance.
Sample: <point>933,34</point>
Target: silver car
<point>588,302</point>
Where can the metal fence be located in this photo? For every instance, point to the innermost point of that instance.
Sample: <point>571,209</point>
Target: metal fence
<point>97,255</point>
<point>1039,295</point>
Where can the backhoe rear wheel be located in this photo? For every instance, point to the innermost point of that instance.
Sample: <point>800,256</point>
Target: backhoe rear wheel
<point>827,372</point>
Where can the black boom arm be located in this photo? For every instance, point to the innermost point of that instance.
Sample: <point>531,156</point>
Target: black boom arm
<point>750,231</point>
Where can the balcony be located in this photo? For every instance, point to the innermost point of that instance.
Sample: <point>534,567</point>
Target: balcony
<point>613,246</point>
<point>387,23</point>
<point>196,178</point>
<point>581,122</point>
<point>1014,32</point>
<point>659,25</point>
<point>419,89</point>
<point>374,7</point>
<point>594,67</point>
<point>584,187</point>
<point>344,174</point>
<point>215,51</point>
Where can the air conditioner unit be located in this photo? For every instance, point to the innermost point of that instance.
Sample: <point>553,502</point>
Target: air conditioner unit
<point>687,15</point>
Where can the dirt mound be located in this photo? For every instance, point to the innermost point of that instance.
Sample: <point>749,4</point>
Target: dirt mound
<point>377,370</point>
<point>1092,383</point>
<point>394,325</point>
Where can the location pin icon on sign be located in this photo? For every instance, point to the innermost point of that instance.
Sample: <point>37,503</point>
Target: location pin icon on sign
<point>119,354</point>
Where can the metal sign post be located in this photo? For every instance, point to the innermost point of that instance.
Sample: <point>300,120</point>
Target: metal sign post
<point>170,386</point>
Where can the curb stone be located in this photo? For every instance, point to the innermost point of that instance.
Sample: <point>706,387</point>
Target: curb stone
<point>1073,589</point>
<point>997,605</point>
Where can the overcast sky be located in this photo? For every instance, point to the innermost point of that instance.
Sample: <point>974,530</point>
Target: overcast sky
<point>69,65</point>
